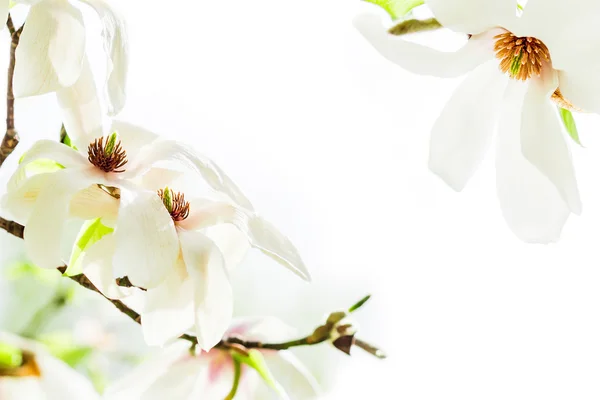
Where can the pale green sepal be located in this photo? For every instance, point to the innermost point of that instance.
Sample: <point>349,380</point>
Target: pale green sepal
<point>256,361</point>
<point>91,232</point>
<point>397,9</point>
<point>10,356</point>
<point>569,123</point>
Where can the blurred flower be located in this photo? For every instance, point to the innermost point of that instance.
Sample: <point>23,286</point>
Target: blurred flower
<point>52,50</point>
<point>40,376</point>
<point>180,375</point>
<point>519,64</point>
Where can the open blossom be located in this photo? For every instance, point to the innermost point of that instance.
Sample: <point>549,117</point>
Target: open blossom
<point>519,64</point>
<point>51,56</point>
<point>41,376</point>
<point>179,375</point>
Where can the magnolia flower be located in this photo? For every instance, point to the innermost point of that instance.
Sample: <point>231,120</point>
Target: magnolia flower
<point>519,65</point>
<point>51,55</point>
<point>41,376</point>
<point>179,375</point>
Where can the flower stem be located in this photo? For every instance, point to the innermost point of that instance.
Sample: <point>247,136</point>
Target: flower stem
<point>236,379</point>
<point>11,138</point>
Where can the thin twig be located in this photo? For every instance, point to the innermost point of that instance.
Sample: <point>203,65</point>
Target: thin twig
<point>11,138</point>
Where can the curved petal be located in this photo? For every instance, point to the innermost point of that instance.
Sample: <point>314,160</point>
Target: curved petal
<point>169,309</point>
<point>165,150</point>
<point>463,132</point>
<point>82,113</point>
<point>474,16</point>
<point>114,33</point>
<point>53,150</point>
<point>158,178</point>
<point>20,200</point>
<point>133,138</point>
<point>213,297</point>
<point>147,244</point>
<point>261,234</point>
<point>231,241</point>
<point>262,329</point>
<point>44,229</point>
<point>543,142</point>
<point>291,374</point>
<point>421,59</point>
<point>179,382</point>
<point>51,50</point>
<point>97,266</point>
<point>92,203</point>
<point>531,205</point>
<point>581,88</point>
<point>59,381</point>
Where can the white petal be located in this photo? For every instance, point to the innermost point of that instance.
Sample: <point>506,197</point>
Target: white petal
<point>232,242</point>
<point>82,113</point>
<point>165,150</point>
<point>262,329</point>
<point>92,203</point>
<point>59,381</point>
<point>169,310</point>
<point>43,232</point>
<point>421,59</point>
<point>51,49</point>
<point>463,132</point>
<point>158,178</point>
<point>116,46</point>
<point>179,382</point>
<point>543,140</point>
<point>530,203</point>
<point>261,234</point>
<point>20,200</point>
<point>474,16</point>
<point>53,150</point>
<point>147,244</point>
<point>213,298</point>
<point>97,266</point>
<point>133,138</point>
<point>581,88</point>
<point>291,374</point>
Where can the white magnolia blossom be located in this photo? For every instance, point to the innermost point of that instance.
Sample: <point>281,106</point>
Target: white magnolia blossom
<point>42,377</point>
<point>179,251</point>
<point>518,64</point>
<point>178,375</point>
<point>52,56</point>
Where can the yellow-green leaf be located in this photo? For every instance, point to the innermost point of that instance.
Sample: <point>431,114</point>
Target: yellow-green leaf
<point>397,9</point>
<point>569,123</point>
<point>91,232</point>
<point>256,361</point>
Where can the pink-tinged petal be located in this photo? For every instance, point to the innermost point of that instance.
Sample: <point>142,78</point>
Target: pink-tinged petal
<point>82,113</point>
<point>463,132</point>
<point>262,329</point>
<point>260,233</point>
<point>543,140</point>
<point>421,59</point>
<point>531,205</point>
<point>169,309</point>
<point>167,150</point>
<point>147,243</point>
<point>291,375</point>
<point>44,229</point>
<point>97,266</point>
<point>114,34</point>
<point>51,50</point>
<point>213,297</point>
<point>474,16</point>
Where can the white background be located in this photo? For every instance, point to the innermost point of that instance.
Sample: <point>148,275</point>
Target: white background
<point>330,142</point>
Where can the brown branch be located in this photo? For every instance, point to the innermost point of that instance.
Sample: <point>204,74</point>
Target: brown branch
<point>12,227</point>
<point>11,138</point>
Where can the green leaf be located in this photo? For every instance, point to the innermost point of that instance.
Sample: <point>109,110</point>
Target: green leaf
<point>397,9</point>
<point>256,361</point>
<point>570,126</point>
<point>10,356</point>
<point>61,346</point>
<point>91,232</point>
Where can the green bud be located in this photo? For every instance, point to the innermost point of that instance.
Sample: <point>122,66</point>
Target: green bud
<point>110,144</point>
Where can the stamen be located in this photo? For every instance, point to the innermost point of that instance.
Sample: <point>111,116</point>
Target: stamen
<point>109,156</point>
<point>521,57</point>
<point>175,204</point>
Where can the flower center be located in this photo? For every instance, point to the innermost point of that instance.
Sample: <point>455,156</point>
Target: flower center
<point>175,204</point>
<point>520,57</point>
<point>109,156</point>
